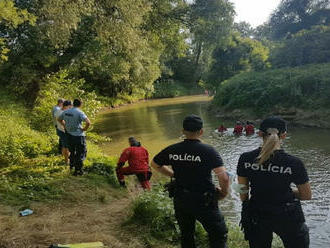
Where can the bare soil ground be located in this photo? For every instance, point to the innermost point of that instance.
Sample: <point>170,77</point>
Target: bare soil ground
<point>68,223</point>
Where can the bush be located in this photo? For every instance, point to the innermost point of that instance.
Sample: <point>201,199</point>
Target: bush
<point>17,140</point>
<point>304,87</point>
<point>154,212</point>
<point>60,85</point>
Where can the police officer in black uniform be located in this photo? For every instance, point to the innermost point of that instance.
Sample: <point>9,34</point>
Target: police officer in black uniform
<point>273,206</point>
<point>195,196</point>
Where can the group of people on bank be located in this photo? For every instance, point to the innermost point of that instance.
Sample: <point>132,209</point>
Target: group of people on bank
<point>239,128</point>
<point>265,175</point>
<point>68,120</point>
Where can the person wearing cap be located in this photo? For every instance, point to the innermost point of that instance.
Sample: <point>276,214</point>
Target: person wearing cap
<point>60,131</point>
<point>249,128</point>
<point>57,107</point>
<point>238,129</point>
<point>195,196</point>
<point>138,161</point>
<point>270,204</point>
<point>72,120</point>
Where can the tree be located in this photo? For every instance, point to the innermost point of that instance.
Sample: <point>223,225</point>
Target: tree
<point>10,18</point>
<point>115,46</point>
<point>294,15</point>
<point>240,55</point>
<point>245,29</point>
<point>210,25</point>
<point>305,47</point>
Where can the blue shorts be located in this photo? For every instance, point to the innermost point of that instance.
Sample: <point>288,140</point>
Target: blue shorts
<point>63,138</point>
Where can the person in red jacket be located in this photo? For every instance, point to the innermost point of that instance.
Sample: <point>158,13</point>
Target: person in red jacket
<point>138,161</point>
<point>238,129</point>
<point>222,129</point>
<point>249,128</point>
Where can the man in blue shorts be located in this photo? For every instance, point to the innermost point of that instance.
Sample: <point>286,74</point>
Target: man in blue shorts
<point>72,120</point>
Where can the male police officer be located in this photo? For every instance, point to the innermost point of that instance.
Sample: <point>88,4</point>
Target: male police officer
<point>195,196</point>
<point>72,120</point>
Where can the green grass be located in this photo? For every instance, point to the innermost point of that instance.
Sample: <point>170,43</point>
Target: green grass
<point>153,216</point>
<point>47,179</point>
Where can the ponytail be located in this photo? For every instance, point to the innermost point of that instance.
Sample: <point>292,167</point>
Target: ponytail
<point>271,143</point>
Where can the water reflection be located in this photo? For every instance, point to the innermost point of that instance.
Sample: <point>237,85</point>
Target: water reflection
<point>158,124</point>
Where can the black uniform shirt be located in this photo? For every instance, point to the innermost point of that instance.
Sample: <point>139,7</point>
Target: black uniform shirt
<point>192,163</point>
<point>270,182</point>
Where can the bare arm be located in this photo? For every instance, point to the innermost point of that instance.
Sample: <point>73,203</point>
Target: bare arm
<point>88,123</point>
<point>223,181</point>
<point>304,192</point>
<point>62,122</point>
<point>244,181</point>
<point>162,169</point>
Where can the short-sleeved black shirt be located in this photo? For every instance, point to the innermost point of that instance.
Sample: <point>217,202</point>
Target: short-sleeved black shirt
<point>192,163</point>
<point>270,182</point>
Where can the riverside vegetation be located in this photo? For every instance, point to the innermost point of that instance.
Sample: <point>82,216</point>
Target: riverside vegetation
<point>113,52</point>
<point>33,176</point>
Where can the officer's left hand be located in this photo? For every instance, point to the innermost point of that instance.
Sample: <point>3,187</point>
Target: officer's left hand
<point>219,194</point>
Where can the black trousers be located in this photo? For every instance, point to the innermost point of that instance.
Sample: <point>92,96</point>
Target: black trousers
<point>189,208</point>
<point>59,147</point>
<point>78,151</point>
<point>293,234</point>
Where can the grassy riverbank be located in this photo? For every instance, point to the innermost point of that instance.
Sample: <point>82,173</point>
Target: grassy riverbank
<point>300,94</point>
<point>70,209</point>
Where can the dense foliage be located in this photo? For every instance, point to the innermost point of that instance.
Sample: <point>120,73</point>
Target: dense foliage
<point>305,87</point>
<point>305,47</point>
<point>294,15</point>
<point>239,55</point>
<point>117,47</point>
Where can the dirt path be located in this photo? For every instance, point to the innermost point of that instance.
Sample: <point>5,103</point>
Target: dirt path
<point>67,223</point>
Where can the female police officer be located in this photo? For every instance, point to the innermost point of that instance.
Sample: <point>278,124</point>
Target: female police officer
<point>195,196</point>
<point>273,206</point>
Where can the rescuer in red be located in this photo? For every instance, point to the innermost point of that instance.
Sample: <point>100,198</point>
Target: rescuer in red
<point>238,129</point>
<point>222,129</point>
<point>249,128</point>
<point>138,161</point>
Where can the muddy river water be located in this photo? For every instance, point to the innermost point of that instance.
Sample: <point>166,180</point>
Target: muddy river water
<point>158,123</point>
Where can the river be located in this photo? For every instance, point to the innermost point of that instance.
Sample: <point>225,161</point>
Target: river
<point>158,123</point>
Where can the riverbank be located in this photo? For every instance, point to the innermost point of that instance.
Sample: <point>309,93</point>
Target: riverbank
<point>70,209</point>
<point>300,95</point>
<point>295,117</point>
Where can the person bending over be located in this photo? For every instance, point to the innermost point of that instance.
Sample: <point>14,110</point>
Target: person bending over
<point>138,161</point>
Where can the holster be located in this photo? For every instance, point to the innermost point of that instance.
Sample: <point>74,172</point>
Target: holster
<point>211,197</point>
<point>294,211</point>
<point>247,220</point>
<point>171,188</point>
